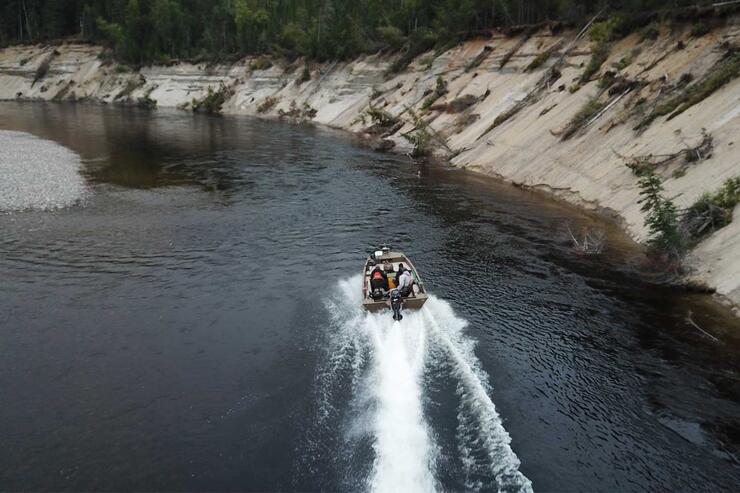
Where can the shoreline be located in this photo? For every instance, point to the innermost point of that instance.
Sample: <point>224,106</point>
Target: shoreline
<point>460,107</point>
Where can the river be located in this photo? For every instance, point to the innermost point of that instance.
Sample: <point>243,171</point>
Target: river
<point>188,320</point>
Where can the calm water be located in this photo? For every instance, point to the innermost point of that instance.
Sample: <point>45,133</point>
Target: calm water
<point>193,325</point>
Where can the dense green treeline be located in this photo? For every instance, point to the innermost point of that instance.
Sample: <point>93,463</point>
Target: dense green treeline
<point>157,30</point>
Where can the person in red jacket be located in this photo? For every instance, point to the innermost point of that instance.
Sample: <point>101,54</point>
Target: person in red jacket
<point>378,279</point>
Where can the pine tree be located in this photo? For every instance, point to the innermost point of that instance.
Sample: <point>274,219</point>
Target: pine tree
<point>661,215</point>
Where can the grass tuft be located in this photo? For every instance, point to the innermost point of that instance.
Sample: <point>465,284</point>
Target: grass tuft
<point>589,110</point>
<point>724,72</point>
<point>712,211</point>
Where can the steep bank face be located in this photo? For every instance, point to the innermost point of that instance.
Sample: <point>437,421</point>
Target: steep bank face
<point>483,80</point>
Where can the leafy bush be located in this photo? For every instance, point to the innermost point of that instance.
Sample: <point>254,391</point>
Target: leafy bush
<point>589,110</point>
<point>421,40</point>
<point>305,75</point>
<point>380,118</point>
<point>308,111</point>
<point>724,72</point>
<point>213,101</point>
<point>113,33</point>
<point>131,85</point>
<point>420,137</point>
<point>626,61</point>
<point>599,54</point>
<point>440,89</point>
<point>427,61</point>
<point>147,103</point>
<point>712,211</point>
<point>305,112</point>
<point>699,29</point>
<point>602,35</point>
<point>650,32</point>
<point>260,63</point>
<point>392,36</point>
<point>267,104</point>
<point>540,59</point>
<point>294,39</point>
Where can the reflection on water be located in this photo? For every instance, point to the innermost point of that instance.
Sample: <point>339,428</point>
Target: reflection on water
<point>170,332</point>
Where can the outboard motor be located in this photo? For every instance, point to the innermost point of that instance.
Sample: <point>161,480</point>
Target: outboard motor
<point>396,304</point>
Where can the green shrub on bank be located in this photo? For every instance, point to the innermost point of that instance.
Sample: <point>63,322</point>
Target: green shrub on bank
<point>267,104</point>
<point>440,89</point>
<point>392,37</point>
<point>699,29</point>
<point>599,54</point>
<point>305,75</point>
<point>650,32</point>
<point>661,216</point>
<point>420,137</point>
<point>146,103</point>
<point>420,41</point>
<point>721,74</point>
<point>592,107</point>
<point>260,63</point>
<point>542,58</point>
<point>713,210</point>
<point>380,118</point>
<point>213,101</point>
<point>604,34</point>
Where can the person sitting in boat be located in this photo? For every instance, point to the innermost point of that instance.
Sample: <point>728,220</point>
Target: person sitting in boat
<point>405,281</point>
<point>378,279</point>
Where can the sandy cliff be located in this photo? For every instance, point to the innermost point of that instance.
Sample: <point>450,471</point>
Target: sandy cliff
<point>528,148</point>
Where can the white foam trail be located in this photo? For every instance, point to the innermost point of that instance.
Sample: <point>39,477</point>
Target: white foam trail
<point>37,173</point>
<point>480,425</point>
<point>385,362</point>
<point>344,342</point>
<point>403,447</point>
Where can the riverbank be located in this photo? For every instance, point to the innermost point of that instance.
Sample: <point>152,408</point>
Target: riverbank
<point>515,107</point>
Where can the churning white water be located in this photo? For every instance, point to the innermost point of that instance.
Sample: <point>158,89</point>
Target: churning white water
<point>386,361</point>
<point>403,447</point>
<point>37,173</point>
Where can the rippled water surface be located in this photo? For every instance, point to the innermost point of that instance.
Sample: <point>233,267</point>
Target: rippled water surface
<point>192,323</point>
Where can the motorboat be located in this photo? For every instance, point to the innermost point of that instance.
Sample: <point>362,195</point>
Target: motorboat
<point>389,297</point>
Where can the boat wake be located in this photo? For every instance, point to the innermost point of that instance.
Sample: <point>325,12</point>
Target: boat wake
<point>371,392</point>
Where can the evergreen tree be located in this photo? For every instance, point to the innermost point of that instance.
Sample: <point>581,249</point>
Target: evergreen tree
<point>147,30</point>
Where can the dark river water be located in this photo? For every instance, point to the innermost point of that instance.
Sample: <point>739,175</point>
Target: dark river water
<point>193,324</point>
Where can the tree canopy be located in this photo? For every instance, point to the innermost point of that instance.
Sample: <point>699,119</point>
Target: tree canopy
<point>154,30</point>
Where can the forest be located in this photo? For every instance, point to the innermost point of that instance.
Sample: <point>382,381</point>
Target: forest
<point>142,31</point>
